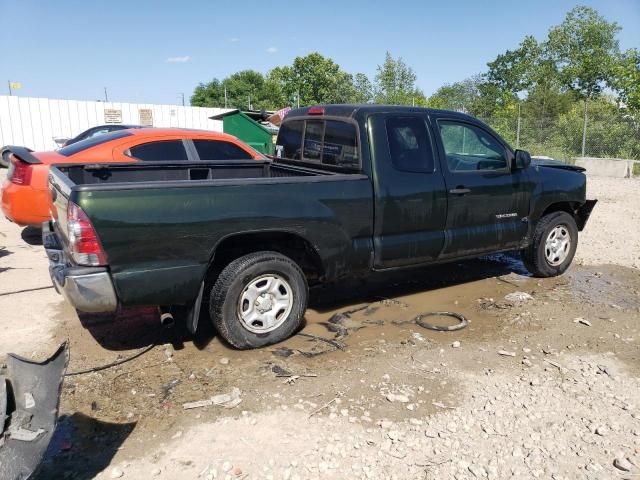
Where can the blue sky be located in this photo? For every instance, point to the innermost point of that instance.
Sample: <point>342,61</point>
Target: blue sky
<point>152,51</point>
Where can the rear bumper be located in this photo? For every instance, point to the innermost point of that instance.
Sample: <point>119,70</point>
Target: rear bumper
<point>88,289</point>
<point>24,205</point>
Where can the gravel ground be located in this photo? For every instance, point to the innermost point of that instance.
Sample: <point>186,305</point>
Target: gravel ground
<point>547,387</point>
<point>613,232</point>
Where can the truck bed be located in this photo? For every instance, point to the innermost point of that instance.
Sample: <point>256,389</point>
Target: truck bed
<point>150,174</point>
<point>159,224</point>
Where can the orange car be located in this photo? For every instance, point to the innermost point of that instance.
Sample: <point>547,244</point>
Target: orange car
<point>25,195</point>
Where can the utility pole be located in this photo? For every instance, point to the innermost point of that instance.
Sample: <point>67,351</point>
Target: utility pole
<point>9,83</point>
<point>225,97</point>
<point>182,95</point>
<point>106,97</point>
<point>249,102</point>
<point>584,127</point>
<point>298,97</point>
<point>518,127</point>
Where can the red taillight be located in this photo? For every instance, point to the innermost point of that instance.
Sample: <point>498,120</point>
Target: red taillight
<point>83,242</point>
<point>20,172</point>
<point>315,111</point>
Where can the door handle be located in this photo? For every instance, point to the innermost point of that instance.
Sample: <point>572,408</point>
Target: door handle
<point>460,190</point>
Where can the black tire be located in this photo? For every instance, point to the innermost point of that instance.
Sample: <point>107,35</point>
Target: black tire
<point>4,158</point>
<point>229,286</point>
<point>534,257</point>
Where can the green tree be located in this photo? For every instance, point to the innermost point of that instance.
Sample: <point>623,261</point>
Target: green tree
<point>395,83</point>
<point>315,79</point>
<point>626,79</point>
<point>246,89</point>
<point>584,48</point>
<point>362,89</point>
<point>208,94</point>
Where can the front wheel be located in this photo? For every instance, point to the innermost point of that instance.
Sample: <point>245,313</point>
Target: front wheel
<point>553,245</point>
<point>258,299</point>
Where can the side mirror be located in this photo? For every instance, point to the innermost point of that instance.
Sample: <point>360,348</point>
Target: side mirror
<point>522,160</point>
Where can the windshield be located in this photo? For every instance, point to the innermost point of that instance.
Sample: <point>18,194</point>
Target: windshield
<point>82,145</point>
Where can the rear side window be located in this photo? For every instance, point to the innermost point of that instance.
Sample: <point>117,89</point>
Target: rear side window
<point>220,150</point>
<point>326,142</point>
<point>340,145</point>
<point>409,144</point>
<point>290,140</point>
<point>168,150</point>
<point>92,142</point>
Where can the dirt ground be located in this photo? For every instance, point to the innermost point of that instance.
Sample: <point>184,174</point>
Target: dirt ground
<point>545,387</point>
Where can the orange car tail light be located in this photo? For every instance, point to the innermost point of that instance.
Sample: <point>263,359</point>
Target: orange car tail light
<point>84,244</point>
<point>19,172</point>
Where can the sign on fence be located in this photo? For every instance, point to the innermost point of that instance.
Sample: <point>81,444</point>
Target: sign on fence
<point>146,117</point>
<point>112,115</point>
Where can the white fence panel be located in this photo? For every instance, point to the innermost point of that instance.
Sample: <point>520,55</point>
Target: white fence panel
<point>35,122</point>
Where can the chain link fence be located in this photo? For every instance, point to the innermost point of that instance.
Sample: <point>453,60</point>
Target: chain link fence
<point>566,137</point>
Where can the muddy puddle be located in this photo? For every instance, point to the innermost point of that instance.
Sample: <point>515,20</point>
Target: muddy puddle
<point>360,344</point>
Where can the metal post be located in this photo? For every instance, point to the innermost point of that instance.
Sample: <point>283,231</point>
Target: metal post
<point>518,128</point>
<point>9,83</point>
<point>298,98</point>
<point>225,97</point>
<point>249,102</point>
<point>584,128</point>
<point>182,98</point>
<point>106,97</point>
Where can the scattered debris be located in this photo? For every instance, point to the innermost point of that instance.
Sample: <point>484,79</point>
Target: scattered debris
<point>518,297</point>
<point>582,321</point>
<point>456,344</point>
<point>506,353</point>
<point>224,361</point>
<point>226,400</point>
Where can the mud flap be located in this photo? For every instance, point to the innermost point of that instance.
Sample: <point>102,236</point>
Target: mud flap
<point>194,312</point>
<point>584,212</point>
<point>29,399</point>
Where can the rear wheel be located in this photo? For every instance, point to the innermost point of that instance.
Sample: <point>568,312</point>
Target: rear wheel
<point>553,245</point>
<point>258,299</point>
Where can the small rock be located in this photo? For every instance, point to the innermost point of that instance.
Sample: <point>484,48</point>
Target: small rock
<point>602,430</point>
<point>226,467</point>
<point>456,344</point>
<point>506,353</point>
<point>237,471</point>
<point>155,472</point>
<point>622,464</point>
<point>397,397</point>
<point>582,321</point>
<point>178,434</point>
<point>224,361</point>
<point>116,473</point>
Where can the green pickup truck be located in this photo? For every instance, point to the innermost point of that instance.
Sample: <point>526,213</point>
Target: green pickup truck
<point>352,190</point>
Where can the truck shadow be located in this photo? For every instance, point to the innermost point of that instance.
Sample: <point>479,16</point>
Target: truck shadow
<point>134,328</point>
<point>82,445</point>
<point>32,235</point>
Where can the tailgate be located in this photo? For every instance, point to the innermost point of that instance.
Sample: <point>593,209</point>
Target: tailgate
<point>60,186</point>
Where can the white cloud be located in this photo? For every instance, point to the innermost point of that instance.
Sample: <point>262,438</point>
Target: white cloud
<point>272,50</point>
<point>234,39</point>
<point>184,59</point>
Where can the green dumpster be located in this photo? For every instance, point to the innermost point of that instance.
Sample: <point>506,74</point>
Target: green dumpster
<point>241,125</point>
